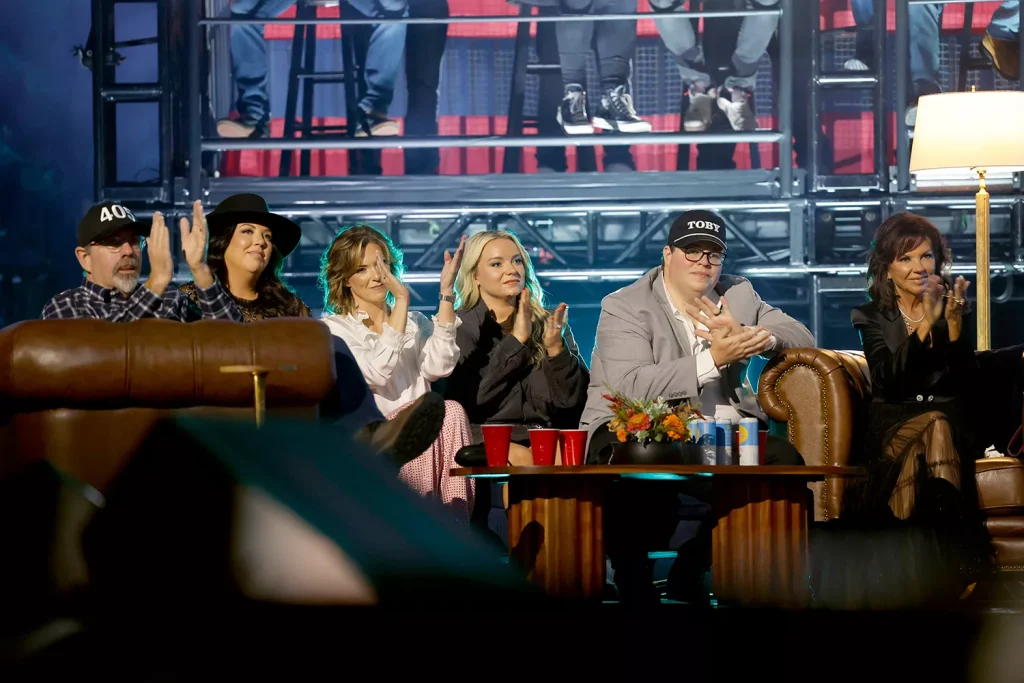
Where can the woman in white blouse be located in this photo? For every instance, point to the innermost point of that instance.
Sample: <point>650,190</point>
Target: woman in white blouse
<point>399,351</point>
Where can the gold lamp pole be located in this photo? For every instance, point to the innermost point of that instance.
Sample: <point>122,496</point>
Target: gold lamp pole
<point>981,251</point>
<point>259,383</point>
<point>961,136</point>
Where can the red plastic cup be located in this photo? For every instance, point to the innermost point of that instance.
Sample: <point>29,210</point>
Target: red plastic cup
<point>573,442</point>
<point>543,443</point>
<point>497,439</point>
<point>762,439</point>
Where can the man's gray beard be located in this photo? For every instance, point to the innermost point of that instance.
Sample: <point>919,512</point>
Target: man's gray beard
<point>126,284</point>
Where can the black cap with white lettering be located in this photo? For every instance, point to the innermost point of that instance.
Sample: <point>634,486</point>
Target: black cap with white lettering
<point>103,220</point>
<point>697,226</point>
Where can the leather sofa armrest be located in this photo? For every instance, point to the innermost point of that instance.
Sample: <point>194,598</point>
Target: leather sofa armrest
<point>816,393</point>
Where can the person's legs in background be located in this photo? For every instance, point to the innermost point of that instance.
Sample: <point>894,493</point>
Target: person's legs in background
<point>250,68</point>
<point>1001,40</point>
<point>720,40</point>
<point>615,48</point>
<point>549,96</point>
<point>384,54</point>
<point>574,40</point>
<point>754,35</point>
<point>679,34</point>
<point>424,49</point>
<point>864,51</point>
<point>925,27</point>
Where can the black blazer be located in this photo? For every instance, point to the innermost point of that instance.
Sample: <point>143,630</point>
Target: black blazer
<point>906,370</point>
<point>978,391</point>
<point>496,381</point>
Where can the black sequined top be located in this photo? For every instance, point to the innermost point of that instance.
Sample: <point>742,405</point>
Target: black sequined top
<point>258,309</point>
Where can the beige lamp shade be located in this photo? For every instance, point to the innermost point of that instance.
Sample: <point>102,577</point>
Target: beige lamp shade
<point>961,131</point>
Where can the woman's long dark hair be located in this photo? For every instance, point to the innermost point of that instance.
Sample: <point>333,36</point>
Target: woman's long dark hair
<point>274,294</point>
<point>895,237</point>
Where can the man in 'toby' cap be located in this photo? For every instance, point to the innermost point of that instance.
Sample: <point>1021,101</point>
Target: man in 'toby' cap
<point>110,244</point>
<point>684,332</point>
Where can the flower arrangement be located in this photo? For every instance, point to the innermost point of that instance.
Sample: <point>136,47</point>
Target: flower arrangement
<point>645,420</point>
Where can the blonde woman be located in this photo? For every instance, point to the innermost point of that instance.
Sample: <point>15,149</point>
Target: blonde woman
<point>518,362</point>
<point>400,352</point>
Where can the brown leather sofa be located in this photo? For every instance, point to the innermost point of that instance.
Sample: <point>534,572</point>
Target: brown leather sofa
<point>84,393</point>
<point>822,396</point>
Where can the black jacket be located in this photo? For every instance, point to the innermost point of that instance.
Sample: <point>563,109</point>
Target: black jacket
<point>496,380</point>
<point>980,392</point>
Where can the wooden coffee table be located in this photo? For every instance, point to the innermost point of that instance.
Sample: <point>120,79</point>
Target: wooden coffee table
<point>759,542</point>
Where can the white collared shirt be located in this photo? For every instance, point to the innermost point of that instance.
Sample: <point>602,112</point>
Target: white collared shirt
<point>399,367</point>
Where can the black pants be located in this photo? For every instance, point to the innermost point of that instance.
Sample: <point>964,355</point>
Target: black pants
<point>613,44</point>
<point>424,49</point>
<point>641,516</point>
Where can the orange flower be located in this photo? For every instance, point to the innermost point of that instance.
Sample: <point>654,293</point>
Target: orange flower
<point>674,427</point>
<point>621,435</point>
<point>638,423</point>
<point>672,423</point>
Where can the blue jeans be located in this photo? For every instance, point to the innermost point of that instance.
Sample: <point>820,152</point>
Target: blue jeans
<point>251,68</point>
<point>1005,24</point>
<point>925,27</point>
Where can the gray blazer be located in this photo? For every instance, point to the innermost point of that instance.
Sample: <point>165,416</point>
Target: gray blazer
<point>643,351</point>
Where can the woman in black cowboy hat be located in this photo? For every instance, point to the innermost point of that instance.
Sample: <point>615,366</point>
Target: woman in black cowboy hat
<point>248,245</point>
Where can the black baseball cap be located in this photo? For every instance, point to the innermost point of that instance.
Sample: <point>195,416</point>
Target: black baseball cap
<point>697,226</point>
<point>103,220</point>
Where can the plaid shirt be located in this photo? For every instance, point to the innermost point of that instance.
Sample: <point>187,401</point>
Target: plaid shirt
<point>92,301</point>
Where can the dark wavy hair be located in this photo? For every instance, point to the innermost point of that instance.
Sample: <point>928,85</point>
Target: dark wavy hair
<point>899,234</point>
<point>274,294</point>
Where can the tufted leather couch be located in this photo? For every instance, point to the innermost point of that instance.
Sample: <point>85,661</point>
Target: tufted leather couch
<point>822,396</point>
<point>84,393</point>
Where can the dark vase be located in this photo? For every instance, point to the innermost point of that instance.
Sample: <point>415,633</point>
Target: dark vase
<point>652,453</point>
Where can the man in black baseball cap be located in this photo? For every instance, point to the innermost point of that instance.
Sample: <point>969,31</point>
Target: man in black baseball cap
<point>682,332</point>
<point>110,244</point>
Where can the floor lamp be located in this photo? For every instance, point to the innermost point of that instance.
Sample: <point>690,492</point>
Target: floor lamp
<point>971,135</point>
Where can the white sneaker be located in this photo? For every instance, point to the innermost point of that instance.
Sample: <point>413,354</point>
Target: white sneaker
<point>855,64</point>
<point>698,115</point>
<point>740,115</point>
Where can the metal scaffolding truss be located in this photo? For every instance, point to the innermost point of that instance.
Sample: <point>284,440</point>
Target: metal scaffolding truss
<point>785,224</point>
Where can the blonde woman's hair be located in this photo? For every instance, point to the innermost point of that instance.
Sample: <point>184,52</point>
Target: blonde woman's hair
<point>467,292</point>
<point>344,257</point>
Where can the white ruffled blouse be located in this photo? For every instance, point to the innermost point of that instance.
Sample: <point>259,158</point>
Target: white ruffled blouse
<point>399,367</point>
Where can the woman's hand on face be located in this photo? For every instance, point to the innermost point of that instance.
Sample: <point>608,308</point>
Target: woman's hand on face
<point>393,284</point>
<point>553,328</point>
<point>451,268</point>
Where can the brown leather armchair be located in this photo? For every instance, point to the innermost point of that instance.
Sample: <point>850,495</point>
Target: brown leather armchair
<point>822,396</point>
<point>83,394</point>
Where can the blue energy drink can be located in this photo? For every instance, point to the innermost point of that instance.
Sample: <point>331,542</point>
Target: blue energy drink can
<point>723,441</point>
<point>704,437</point>
<point>747,438</point>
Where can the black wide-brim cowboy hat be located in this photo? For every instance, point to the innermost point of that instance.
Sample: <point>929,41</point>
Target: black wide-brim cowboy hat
<point>252,208</point>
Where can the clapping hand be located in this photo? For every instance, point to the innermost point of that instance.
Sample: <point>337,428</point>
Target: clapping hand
<point>522,328</point>
<point>553,328</point>
<point>932,298</point>
<point>451,268</point>
<point>955,302</point>
<point>731,347</point>
<point>158,245</point>
<point>714,318</point>
<point>194,238</point>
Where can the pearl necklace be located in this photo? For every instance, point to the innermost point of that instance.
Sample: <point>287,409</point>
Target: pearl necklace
<point>907,320</point>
